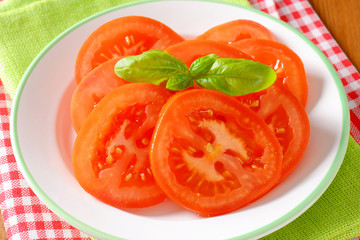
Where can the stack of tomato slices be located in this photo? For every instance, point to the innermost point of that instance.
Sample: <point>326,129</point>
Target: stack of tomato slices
<point>139,143</point>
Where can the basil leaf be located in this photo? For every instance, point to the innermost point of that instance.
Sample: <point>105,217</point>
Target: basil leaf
<point>233,77</point>
<point>153,66</point>
<point>236,77</point>
<point>202,65</point>
<point>179,82</point>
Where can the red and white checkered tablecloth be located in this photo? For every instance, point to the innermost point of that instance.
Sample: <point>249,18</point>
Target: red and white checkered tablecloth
<point>25,217</point>
<point>302,16</point>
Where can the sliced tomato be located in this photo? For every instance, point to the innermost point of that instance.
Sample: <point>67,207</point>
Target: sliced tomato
<point>121,37</point>
<point>111,151</point>
<point>287,118</point>
<point>99,82</point>
<point>233,31</point>
<point>190,50</point>
<point>211,154</point>
<point>287,64</point>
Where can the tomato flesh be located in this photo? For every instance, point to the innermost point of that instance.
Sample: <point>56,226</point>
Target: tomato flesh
<point>286,63</point>
<point>122,37</point>
<point>287,118</point>
<point>234,31</point>
<point>190,50</point>
<point>99,82</point>
<point>111,151</point>
<point>211,154</point>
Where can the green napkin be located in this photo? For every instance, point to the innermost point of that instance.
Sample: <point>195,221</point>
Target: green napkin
<point>336,215</point>
<point>27,26</point>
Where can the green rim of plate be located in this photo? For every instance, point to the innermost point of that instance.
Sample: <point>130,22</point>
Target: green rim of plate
<point>271,227</point>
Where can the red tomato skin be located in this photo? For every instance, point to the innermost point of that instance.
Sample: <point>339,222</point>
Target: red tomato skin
<point>125,36</point>
<point>286,63</point>
<point>172,124</point>
<point>292,131</point>
<point>99,82</point>
<point>190,50</point>
<point>236,30</point>
<point>109,181</point>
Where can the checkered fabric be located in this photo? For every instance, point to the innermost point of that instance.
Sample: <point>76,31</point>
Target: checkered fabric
<point>301,16</point>
<point>25,217</point>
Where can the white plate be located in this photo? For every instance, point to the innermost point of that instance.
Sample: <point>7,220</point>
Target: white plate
<point>42,135</point>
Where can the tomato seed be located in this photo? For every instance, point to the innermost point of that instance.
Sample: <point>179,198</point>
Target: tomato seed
<point>177,157</point>
<point>255,103</point>
<point>209,148</point>
<point>232,184</point>
<point>117,49</point>
<point>127,39</point>
<point>239,159</point>
<point>104,56</point>
<point>226,174</point>
<point>190,178</point>
<point>138,113</point>
<point>142,176</point>
<point>191,150</point>
<point>175,150</point>
<point>127,178</point>
<point>279,70</point>
<point>110,159</point>
<point>118,151</point>
<point>200,183</point>
<point>132,39</point>
<point>179,165</point>
<point>145,141</point>
<point>192,119</point>
<point>280,130</point>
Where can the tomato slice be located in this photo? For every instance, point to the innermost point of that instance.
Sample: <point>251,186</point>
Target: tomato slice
<point>288,66</point>
<point>286,116</point>
<point>190,50</point>
<point>211,154</point>
<point>111,151</point>
<point>237,30</point>
<point>99,82</point>
<point>121,37</point>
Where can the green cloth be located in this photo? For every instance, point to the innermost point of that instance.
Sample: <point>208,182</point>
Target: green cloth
<point>336,215</point>
<point>27,26</point>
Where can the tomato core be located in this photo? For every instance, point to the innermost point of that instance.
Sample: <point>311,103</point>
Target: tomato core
<point>201,165</point>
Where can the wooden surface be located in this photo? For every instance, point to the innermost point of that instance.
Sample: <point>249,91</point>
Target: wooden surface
<point>342,18</point>
<point>2,229</point>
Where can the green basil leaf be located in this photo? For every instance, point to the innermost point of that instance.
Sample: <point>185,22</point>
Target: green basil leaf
<point>202,65</point>
<point>236,77</point>
<point>179,82</point>
<point>153,66</point>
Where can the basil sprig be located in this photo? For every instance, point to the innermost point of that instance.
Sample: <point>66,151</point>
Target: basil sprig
<point>234,77</point>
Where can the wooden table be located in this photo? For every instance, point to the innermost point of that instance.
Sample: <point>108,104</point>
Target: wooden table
<point>343,21</point>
